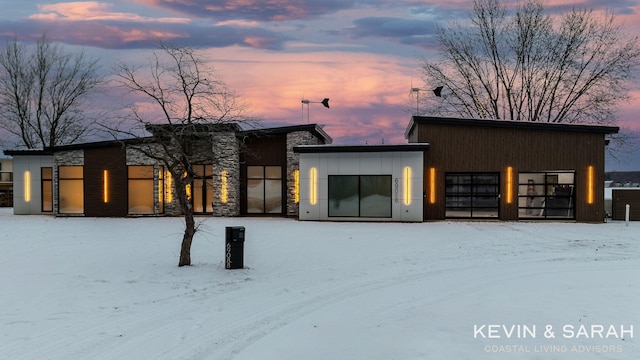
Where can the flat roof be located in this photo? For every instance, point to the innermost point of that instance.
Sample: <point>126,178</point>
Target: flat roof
<point>309,149</point>
<point>315,129</point>
<point>526,125</point>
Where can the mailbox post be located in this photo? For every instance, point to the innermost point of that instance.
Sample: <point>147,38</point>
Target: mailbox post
<point>234,247</point>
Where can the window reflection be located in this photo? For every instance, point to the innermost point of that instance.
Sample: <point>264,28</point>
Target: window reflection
<point>360,196</point>
<point>264,189</point>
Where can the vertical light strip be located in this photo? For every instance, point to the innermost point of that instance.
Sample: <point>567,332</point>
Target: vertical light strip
<point>105,184</point>
<point>296,186</point>
<point>590,185</point>
<point>509,185</point>
<point>432,185</point>
<point>27,186</point>
<point>407,185</point>
<point>169,187</point>
<point>313,183</point>
<point>161,189</point>
<point>224,190</point>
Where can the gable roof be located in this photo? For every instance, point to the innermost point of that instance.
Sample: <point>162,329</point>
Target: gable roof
<point>525,125</point>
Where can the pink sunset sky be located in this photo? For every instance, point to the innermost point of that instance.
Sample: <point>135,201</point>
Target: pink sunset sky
<point>363,55</point>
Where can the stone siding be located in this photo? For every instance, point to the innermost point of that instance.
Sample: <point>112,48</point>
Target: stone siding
<point>226,158</point>
<point>293,163</point>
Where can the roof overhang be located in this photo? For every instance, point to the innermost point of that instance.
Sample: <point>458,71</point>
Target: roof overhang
<point>316,149</point>
<point>510,124</point>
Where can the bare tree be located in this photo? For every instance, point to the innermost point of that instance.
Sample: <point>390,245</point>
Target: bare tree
<point>190,105</point>
<point>522,64</point>
<point>42,93</point>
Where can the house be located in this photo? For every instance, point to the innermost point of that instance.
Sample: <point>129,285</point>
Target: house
<point>251,172</point>
<point>450,168</point>
<point>465,169</point>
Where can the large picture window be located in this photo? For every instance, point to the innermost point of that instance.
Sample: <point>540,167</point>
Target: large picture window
<point>472,195</point>
<point>360,196</point>
<point>71,189</point>
<point>140,184</point>
<point>264,189</point>
<point>546,194</point>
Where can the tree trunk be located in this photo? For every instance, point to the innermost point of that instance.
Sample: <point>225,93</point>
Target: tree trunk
<point>189,220</point>
<point>187,239</point>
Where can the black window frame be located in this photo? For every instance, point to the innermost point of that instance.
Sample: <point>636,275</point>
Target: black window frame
<point>359,193</point>
<point>553,205</point>
<point>207,179</point>
<point>474,197</point>
<point>46,183</point>
<point>63,179</point>
<point>264,179</point>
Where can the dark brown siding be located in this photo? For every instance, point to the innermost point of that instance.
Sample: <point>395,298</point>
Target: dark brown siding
<point>620,199</point>
<point>268,150</point>
<point>112,159</point>
<point>458,148</point>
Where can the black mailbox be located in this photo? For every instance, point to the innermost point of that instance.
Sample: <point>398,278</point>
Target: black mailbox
<point>234,247</point>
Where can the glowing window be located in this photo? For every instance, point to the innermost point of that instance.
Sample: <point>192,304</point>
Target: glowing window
<point>140,183</point>
<point>71,189</point>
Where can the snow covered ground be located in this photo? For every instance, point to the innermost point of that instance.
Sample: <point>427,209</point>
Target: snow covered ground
<point>87,288</point>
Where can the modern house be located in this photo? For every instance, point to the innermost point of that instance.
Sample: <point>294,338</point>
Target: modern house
<point>450,169</point>
<point>251,173</point>
<point>461,168</point>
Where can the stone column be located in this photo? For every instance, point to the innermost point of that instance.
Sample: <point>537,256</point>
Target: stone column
<point>293,163</point>
<point>226,174</point>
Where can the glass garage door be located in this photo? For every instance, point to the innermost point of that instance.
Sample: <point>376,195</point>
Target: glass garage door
<point>472,195</point>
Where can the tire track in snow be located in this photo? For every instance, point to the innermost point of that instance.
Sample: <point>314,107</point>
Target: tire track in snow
<point>147,330</point>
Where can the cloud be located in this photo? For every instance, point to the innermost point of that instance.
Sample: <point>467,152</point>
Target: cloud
<point>260,10</point>
<point>407,31</point>
<point>128,32</point>
<point>93,11</point>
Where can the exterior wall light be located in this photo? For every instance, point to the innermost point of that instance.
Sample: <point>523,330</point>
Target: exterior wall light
<point>27,186</point>
<point>432,185</point>
<point>224,190</point>
<point>169,187</point>
<point>509,185</point>
<point>313,186</point>
<point>105,186</point>
<point>407,185</point>
<point>296,186</point>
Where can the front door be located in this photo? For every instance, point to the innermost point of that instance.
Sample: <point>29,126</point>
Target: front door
<point>203,189</point>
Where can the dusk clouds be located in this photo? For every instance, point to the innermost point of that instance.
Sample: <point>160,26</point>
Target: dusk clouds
<point>362,54</point>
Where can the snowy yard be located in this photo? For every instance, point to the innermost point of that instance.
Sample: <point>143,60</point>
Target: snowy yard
<point>87,288</point>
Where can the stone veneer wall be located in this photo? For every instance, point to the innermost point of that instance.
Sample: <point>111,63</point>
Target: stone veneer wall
<point>64,158</point>
<point>223,155</point>
<point>226,157</point>
<point>293,163</point>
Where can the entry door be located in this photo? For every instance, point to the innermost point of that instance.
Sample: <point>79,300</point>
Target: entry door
<point>203,189</point>
<point>472,195</point>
